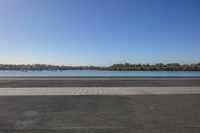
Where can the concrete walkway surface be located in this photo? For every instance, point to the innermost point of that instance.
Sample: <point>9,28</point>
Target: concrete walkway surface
<point>98,91</point>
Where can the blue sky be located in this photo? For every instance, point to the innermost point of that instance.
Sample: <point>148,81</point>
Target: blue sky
<point>99,32</point>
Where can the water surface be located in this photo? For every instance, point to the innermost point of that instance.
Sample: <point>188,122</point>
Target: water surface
<point>87,73</point>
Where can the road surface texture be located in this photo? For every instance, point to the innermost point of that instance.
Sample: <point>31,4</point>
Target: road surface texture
<point>165,113</point>
<point>56,91</point>
<point>99,105</point>
<point>98,82</point>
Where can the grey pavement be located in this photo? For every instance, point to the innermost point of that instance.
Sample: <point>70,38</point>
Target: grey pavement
<point>167,113</point>
<point>99,82</point>
<point>99,105</point>
<point>97,91</point>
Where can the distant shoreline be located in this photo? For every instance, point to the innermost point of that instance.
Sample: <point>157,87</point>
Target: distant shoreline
<point>114,67</point>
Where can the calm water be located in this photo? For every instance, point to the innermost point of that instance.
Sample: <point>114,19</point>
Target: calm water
<point>80,73</point>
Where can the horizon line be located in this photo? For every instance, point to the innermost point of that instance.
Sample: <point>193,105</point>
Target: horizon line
<point>99,65</point>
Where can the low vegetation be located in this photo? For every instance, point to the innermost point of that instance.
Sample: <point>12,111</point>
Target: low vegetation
<point>114,67</point>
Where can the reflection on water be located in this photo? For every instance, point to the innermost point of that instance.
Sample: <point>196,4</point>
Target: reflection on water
<point>99,73</point>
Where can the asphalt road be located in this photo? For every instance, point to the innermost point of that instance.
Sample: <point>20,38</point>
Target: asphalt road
<point>165,113</point>
<point>100,114</point>
<point>98,82</point>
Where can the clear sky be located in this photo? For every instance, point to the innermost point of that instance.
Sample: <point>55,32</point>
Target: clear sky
<point>99,32</point>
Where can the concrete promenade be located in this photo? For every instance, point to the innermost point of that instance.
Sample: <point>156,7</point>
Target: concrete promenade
<point>166,113</point>
<point>99,105</point>
<point>99,82</point>
<point>34,91</point>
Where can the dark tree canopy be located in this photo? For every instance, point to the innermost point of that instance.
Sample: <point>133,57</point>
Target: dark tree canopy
<point>114,67</point>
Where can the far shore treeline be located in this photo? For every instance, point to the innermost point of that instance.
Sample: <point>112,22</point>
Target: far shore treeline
<point>114,67</point>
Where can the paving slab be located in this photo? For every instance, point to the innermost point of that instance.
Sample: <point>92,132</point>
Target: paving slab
<point>98,91</point>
